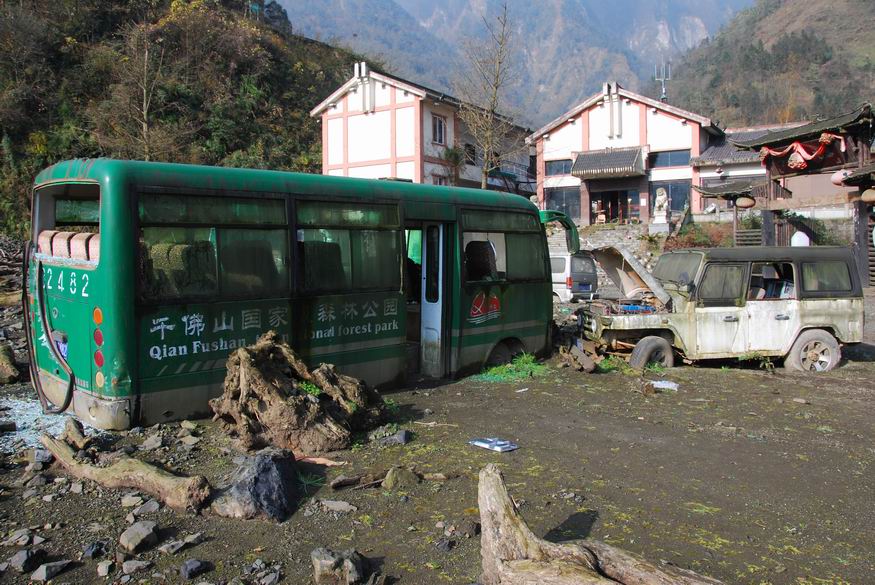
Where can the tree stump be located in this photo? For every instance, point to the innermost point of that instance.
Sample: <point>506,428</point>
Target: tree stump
<point>513,555</point>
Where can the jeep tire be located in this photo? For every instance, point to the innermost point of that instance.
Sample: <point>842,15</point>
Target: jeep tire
<point>815,350</point>
<point>652,349</point>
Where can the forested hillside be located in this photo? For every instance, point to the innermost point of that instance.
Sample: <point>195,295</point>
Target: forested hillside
<point>199,81</point>
<point>782,60</point>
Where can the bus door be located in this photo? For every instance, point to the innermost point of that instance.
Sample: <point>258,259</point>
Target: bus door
<point>433,300</point>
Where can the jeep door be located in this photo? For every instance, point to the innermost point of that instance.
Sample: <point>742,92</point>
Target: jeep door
<point>721,319</point>
<point>773,316</point>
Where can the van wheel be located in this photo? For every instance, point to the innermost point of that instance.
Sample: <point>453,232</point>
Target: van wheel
<point>652,349</point>
<point>815,350</point>
<point>500,355</point>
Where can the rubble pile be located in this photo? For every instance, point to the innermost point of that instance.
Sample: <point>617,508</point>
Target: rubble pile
<point>271,398</point>
<point>11,328</point>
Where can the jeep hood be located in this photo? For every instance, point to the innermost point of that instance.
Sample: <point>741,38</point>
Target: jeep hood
<point>628,274</point>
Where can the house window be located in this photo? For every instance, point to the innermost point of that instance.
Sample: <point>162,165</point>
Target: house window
<point>564,199</point>
<point>558,167</point>
<point>440,180</point>
<point>470,155</point>
<point>678,193</point>
<point>670,158</point>
<point>438,129</point>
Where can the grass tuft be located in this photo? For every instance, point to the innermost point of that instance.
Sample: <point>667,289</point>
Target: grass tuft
<point>523,367</point>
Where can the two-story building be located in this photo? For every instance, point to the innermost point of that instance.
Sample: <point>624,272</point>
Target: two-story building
<point>621,156</point>
<point>381,126</point>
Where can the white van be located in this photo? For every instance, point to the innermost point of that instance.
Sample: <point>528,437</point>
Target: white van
<point>574,277</point>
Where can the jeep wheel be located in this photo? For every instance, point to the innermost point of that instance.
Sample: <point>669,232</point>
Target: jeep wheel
<point>652,349</point>
<point>814,351</point>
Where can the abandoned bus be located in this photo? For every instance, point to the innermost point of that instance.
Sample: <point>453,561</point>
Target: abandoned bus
<point>141,278</point>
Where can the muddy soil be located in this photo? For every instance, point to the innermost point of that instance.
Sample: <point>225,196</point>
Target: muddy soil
<point>745,474</point>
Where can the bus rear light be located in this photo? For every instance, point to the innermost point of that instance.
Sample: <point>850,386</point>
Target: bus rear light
<point>98,358</point>
<point>569,284</point>
<point>97,315</point>
<point>98,337</point>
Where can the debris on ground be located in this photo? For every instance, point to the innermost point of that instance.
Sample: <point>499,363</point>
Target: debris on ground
<point>652,387</point>
<point>264,486</point>
<point>513,555</point>
<point>347,567</point>
<point>271,398</point>
<point>579,360</point>
<point>177,492</point>
<point>494,444</point>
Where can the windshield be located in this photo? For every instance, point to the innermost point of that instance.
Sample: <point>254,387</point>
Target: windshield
<point>582,265</point>
<point>678,267</point>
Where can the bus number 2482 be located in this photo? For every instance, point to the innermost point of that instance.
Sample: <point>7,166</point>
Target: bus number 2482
<point>70,282</point>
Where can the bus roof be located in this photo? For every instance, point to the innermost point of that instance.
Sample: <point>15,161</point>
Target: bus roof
<point>159,174</point>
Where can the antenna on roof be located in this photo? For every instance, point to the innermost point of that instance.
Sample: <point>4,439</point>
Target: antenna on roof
<point>661,74</point>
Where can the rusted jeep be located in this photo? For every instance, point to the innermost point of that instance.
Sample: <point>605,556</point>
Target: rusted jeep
<point>799,304</point>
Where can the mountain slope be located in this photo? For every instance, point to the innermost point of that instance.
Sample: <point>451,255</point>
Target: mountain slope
<point>782,60</point>
<point>566,48</point>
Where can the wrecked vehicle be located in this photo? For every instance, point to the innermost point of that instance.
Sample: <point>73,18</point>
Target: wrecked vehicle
<point>799,304</point>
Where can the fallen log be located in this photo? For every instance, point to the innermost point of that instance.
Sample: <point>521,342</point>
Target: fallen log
<point>513,555</point>
<point>179,493</point>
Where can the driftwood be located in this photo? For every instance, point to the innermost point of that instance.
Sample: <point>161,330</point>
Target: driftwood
<point>179,493</point>
<point>268,400</point>
<point>513,555</point>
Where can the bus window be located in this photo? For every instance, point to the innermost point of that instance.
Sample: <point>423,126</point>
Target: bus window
<point>432,264</point>
<point>485,257</point>
<point>348,246</point>
<point>503,246</point>
<point>526,253</point>
<point>207,261</point>
<point>67,221</point>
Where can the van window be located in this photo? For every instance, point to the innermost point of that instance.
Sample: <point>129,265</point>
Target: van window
<point>194,247</point>
<point>722,285</point>
<point>826,275</point>
<point>771,281</point>
<point>557,265</point>
<point>582,265</point>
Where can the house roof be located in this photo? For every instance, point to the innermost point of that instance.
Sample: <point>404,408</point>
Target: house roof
<point>596,98</point>
<point>861,177</point>
<point>724,152</point>
<point>609,163</point>
<point>730,189</point>
<point>814,129</point>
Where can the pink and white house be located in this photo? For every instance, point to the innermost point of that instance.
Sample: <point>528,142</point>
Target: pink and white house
<point>616,154</point>
<point>381,126</point>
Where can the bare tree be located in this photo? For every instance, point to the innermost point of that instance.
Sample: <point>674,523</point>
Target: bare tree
<point>486,76</point>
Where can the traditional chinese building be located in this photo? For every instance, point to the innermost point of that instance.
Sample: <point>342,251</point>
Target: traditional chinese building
<point>381,126</point>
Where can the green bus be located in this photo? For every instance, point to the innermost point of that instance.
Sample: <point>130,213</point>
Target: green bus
<point>142,277</point>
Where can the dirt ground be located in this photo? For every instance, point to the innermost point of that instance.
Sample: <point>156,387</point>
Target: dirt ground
<point>744,474</point>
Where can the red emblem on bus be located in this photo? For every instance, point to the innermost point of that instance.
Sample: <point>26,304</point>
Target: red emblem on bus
<point>484,309</point>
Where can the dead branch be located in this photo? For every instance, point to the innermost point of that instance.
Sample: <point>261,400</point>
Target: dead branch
<point>513,555</point>
<point>179,493</point>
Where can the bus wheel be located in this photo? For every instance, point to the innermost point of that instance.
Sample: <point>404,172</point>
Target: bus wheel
<point>500,355</point>
<point>652,349</point>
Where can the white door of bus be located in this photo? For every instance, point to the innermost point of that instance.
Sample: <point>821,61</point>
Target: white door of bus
<point>431,333</point>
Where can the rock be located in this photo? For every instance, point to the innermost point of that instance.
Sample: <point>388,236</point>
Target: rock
<point>194,567</point>
<point>20,537</point>
<point>132,566</point>
<point>76,487</point>
<point>149,507</point>
<point>37,539</point>
<point>8,372</point>
<point>41,456</point>
<point>400,478</point>
<point>428,412</point>
<point>332,568</point>
<point>8,426</point>
<point>3,567</point>
<point>470,528</point>
<point>152,442</point>
<point>95,549</point>
<point>265,485</point>
<point>193,539</point>
<point>139,535</point>
<point>188,425</point>
<point>131,500</point>
<point>104,568</point>
<point>27,559</point>
<point>48,571</point>
<point>190,440</point>
<point>338,506</point>
<point>402,437</point>
<point>444,544</point>
<point>270,579</point>
<point>172,547</point>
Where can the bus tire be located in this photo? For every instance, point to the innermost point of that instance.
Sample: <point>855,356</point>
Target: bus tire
<point>652,349</point>
<point>815,351</point>
<point>499,355</point>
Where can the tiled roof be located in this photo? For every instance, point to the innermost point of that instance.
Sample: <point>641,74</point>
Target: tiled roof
<point>724,152</point>
<point>810,130</point>
<point>609,163</point>
<point>862,176</point>
<point>730,188</point>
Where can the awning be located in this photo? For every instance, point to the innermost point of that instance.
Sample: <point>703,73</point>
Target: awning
<point>609,163</point>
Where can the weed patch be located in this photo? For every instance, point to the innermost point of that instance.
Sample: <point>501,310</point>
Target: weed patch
<point>522,367</point>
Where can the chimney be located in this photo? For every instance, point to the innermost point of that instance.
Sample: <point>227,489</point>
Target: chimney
<point>355,70</point>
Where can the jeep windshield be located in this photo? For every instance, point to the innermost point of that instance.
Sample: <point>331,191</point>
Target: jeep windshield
<point>678,267</point>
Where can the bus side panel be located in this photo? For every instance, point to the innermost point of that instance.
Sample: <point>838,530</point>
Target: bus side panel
<point>362,334</point>
<point>183,350</point>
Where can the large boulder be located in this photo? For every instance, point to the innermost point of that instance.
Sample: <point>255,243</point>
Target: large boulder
<point>264,486</point>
